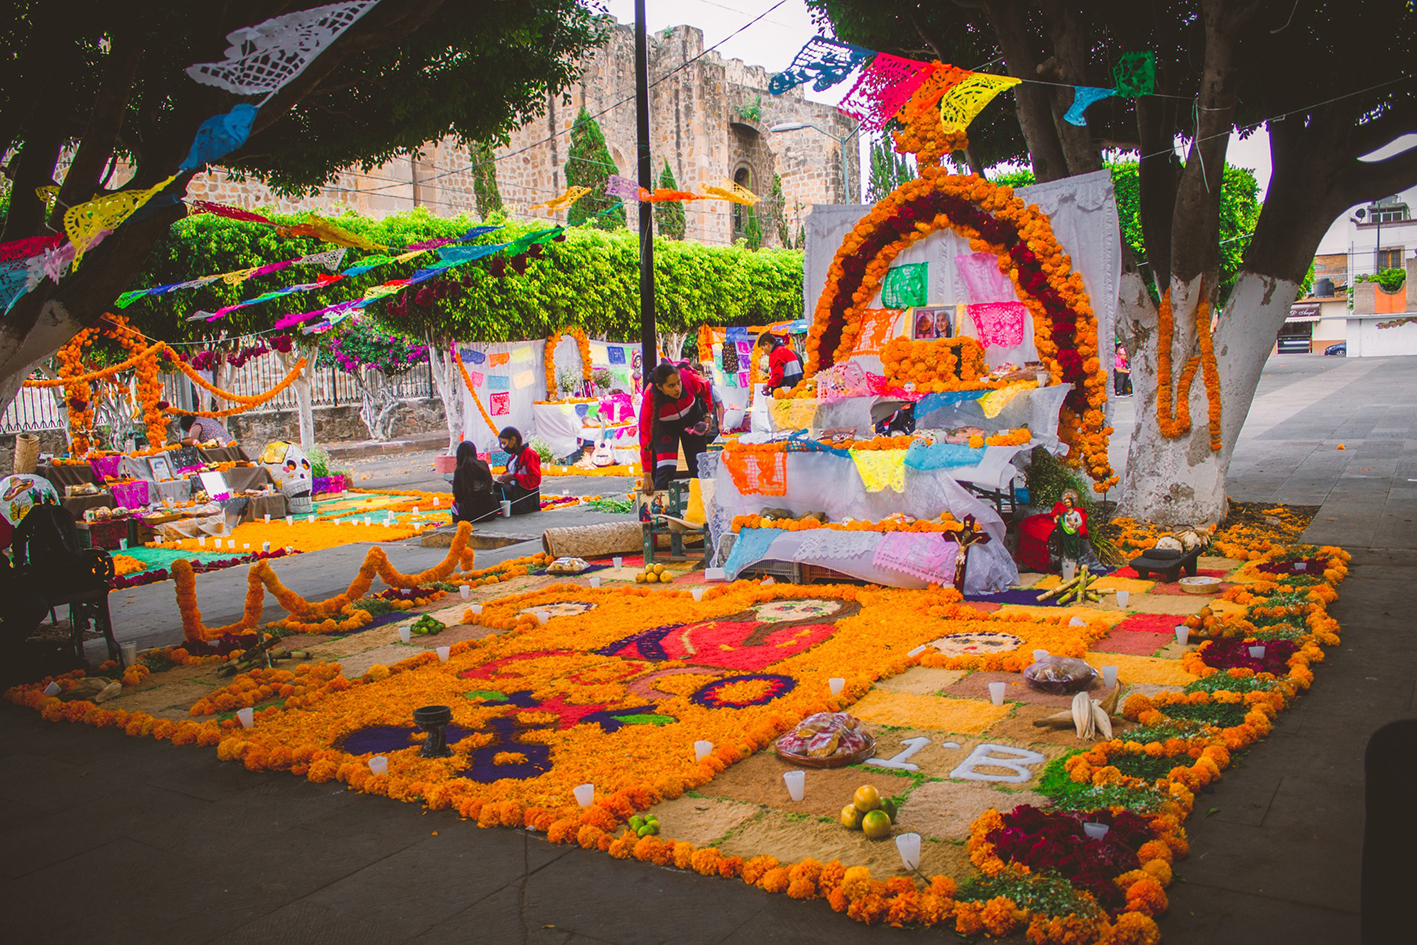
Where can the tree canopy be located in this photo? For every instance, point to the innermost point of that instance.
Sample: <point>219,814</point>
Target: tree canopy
<point>104,84</point>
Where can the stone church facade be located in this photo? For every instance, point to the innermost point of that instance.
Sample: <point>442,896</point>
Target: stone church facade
<point>709,118</point>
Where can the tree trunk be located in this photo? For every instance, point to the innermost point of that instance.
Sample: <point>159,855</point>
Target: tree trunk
<point>448,382</point>
<point>377,403</point>
<point>1181,481</point>
<point>304,412</point>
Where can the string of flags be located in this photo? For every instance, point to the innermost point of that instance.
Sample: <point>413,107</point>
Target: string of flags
<point>627,190</point>
<point>887,82</point>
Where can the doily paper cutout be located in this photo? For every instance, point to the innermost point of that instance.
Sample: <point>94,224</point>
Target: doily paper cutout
<point>880,469</point>
<point>736,193</point>
<point>1083,96</point>
<point>1135,74</point>
<point>967,99</point>
<point>219,136</point>
<point>264,57</point>
<point>85,222</point>
<point>823,62</point>
<point>998,324</point>
<point>563,200</point>
<point>622,187</point>
<point>882,89</point>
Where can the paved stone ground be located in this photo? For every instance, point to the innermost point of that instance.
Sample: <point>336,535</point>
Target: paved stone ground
<point>119,840</point>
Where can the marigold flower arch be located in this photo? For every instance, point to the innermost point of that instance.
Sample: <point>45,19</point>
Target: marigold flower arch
<point>995,221</point>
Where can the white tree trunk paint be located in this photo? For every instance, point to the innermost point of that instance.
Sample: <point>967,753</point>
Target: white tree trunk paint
<point>304,408</point>
<point>1182,481</point>
<point>448,382</point>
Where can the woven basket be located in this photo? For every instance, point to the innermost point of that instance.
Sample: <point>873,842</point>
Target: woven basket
<point>26,452</point>
<point>593,541</point>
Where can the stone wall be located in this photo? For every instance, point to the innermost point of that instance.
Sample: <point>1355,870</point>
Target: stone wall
<point>50,441</point>
<point>333,424</point>
<point>708,117</point>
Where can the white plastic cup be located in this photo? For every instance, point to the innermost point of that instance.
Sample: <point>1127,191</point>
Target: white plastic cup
<point>443,653</point>
<point>918,650</point>
<point>715,574</point>
<point>837,684</point>
<point>246,716</point>
<point>909,846</point>
<point>617,561</point>
<point>387,523</point>
<point>379,764</point>
<point>1123,597</point>
<point>231,544</point>
<point>53,689</point>
<point>1095,831</point>
<point>1042,379</point>
<point>996,692</point>
<point>415,510</point>
<point>465,591</point>
<point>268,518</point>
<point>1070,569</point>
<point>265,546</point>
<point>437,503</point>
<point>1077,622</point>
<point>311,520</point>
<point>1183,635</point>
<point>245,546</point>
<point>1301,565</point>
<point>123,544</point>
<point>697,593</point>
<point>585,794</point>
<point>368,521</point>
<point>290,520</point>
<point>541,616</point>
<point>289,550</point>
<point>1039,655</point>
<point>201,541</point>
<point>130,653</point>
<point>796,782</point>
<point>506,508</point>
<point>406,634</point>
<point>594,581</point>
<point>475,608</point>
<point>1257,652</point>
<point>1109,676</point>
<point>702,749</point>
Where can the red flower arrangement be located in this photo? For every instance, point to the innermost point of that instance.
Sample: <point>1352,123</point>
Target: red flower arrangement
<point>1055,841</point>
<point>1234,653</point>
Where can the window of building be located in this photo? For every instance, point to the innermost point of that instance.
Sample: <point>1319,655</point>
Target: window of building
<point>1388,213</point>
<point>1390,258</point>
<point>743,178</point>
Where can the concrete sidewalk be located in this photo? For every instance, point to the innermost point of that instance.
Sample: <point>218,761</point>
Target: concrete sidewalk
<point>119,840</point>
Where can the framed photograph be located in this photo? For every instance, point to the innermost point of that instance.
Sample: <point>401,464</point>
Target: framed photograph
<point>214,483</point>
<point>940,319</point>
<point>923,328</point>
<point>161,470</point>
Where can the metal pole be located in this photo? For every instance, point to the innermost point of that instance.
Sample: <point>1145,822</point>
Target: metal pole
<point>845,181</point>
<point>648,345</point>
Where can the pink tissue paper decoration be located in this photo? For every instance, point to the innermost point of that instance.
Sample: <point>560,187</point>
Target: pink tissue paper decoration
<point>928,556</point>
<point>105,467</point>
<point>999,324</point>
<point>131,495</point>
<point>983,279</point>
<point>622,187</point>
<point>882,90</point>
<point>501,405</point>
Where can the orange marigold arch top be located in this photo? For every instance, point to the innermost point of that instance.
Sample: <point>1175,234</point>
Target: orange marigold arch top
<point>995,221</point>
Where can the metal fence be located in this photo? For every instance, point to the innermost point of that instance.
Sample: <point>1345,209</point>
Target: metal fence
<point>329,387</point>
<point>37,408</point>
<point>33,409</point>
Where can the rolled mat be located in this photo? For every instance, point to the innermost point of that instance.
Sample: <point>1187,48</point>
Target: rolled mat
<point>26,452</point>
<point>593,541</point>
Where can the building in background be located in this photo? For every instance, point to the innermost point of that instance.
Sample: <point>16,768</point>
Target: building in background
<point>1371,239</point>
<point>710,118</point>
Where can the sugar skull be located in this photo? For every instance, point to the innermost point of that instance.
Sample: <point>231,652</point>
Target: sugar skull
<point>288,466</point>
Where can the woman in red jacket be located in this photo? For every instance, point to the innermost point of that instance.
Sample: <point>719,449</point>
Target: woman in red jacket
<point>675,409</point>
<point>521,483</point>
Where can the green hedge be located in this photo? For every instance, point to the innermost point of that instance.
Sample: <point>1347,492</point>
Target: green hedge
<point>591,279</point>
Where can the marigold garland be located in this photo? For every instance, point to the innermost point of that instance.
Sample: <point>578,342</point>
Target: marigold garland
<point>582,346</point>
<point>467,382</point>
<point>262,578</point>
<point>242,403</point>
<point>1175,421</point>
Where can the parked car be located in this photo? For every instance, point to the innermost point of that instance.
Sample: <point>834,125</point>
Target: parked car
<point>1293,344</point>
<point>1340,349</point>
